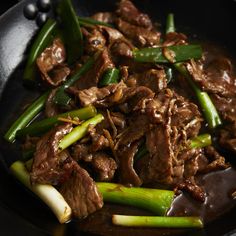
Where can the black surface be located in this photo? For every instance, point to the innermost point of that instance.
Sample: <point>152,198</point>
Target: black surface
<point>22,214</point>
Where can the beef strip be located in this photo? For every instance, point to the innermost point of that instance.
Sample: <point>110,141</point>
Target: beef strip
<point>81,193</point>
<point>128,12</point>
<point>104,166</point>
<point>49,165</point>
<point>174,38</point>
<point>51,63</point>
<point>91,78</point>
<point>94,40</point>
<point>106,17</point>
<point>153,79</point>
<point>140,36</point>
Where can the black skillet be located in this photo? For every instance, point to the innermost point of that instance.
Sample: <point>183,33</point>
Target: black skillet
<point>20,212</point>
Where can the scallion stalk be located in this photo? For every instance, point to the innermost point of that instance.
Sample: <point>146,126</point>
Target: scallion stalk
<point>154,200</point>
<point>47,193</point>
<point>157,221</point>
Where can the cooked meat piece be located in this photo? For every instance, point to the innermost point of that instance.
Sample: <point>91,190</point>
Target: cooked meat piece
<point>50,166</point>
<point>106,17</point>
<point>174,38</point>
<point>228,137</point>
<point>121,49</point>
<point>30,143</point>
<point>193,189</point>
<point>51,109</point>
<point>82,152</point>
<point>91,78</point>
<point>139,35</point>
<point>128,12</point>
<point>111,34</point>
<point>50,63</point>
<point>94,40</point>
<point>99,142</point>
<point>118,119</point>
<point>81,193</point>
<point>114,94</point>
<point>104,166</point>
<point>127,174</point>
<point>153,79</point>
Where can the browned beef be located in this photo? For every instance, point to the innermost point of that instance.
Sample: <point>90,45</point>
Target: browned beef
<point>127,174</point>
<point>81,193</point>
<point>106,17</point>
<point>174,38</point>
<point>128,12</point>
<point>51,109</point>
<point>153,79</point>
<point>91,78</point>
<point>139,35</point>
<point>228,137</point>
<point>94,40</point>
<point>81,152</point>
<point>50,166</point>
<point>104,166</point>
<point>50,63</point>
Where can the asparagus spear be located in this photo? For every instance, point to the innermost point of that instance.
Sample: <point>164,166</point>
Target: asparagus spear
<point>47,193</point>
<point>157,221</point>
<point>155,200</point>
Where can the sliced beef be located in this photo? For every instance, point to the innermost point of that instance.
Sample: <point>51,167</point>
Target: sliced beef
<point>104,166</point>
<point>81,193</point>
<point>51,63</point>
<point>113,95</point>
<point>81,152</point>
<point>94,40</point>
<point>140,36</point>
<point>51,109</point>
<point>174,38</point>
<point>106,17</point>
<point>50,166</point>
<point>228,137</point>
<point>127,174</point>
<point>91,78</point>
<point>128,12</point>
<point>153,79</point>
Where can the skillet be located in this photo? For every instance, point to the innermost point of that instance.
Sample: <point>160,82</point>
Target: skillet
<point>206,19</point>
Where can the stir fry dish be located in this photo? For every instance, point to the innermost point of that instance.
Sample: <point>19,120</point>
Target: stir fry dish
<point>131,113</point>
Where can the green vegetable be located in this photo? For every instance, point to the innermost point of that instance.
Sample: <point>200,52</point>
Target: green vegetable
<point>31,112</point>
<point>43,39</point>
<point>43,126</point>
<point>200,141</point>
<point>179,53</point>
<point>154,200</point>
<point>47,193</point>
<point>111,76</point>
<point>157,221</point>
<point>211,115</point>
<point>89,21</point>
<point>61,97</point>
<point>170,24</point>
<point>70,30</point>
<point>79,132</point>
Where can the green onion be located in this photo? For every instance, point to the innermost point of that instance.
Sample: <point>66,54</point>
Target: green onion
<point>47,193</point>
<point>154,200</point>
<point>43,39</point>
<point>32,111</point>
<point>170,24</point>
<point>200,141</point>
<point>71,30</point>
<point>61,97</point>
<point>79,132</point>
<point>89,21</point>
<point>180,53</point>
<point>43,126</point>
<point>157,221</point>
<point>111,76</point>
<point>211,115</point>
